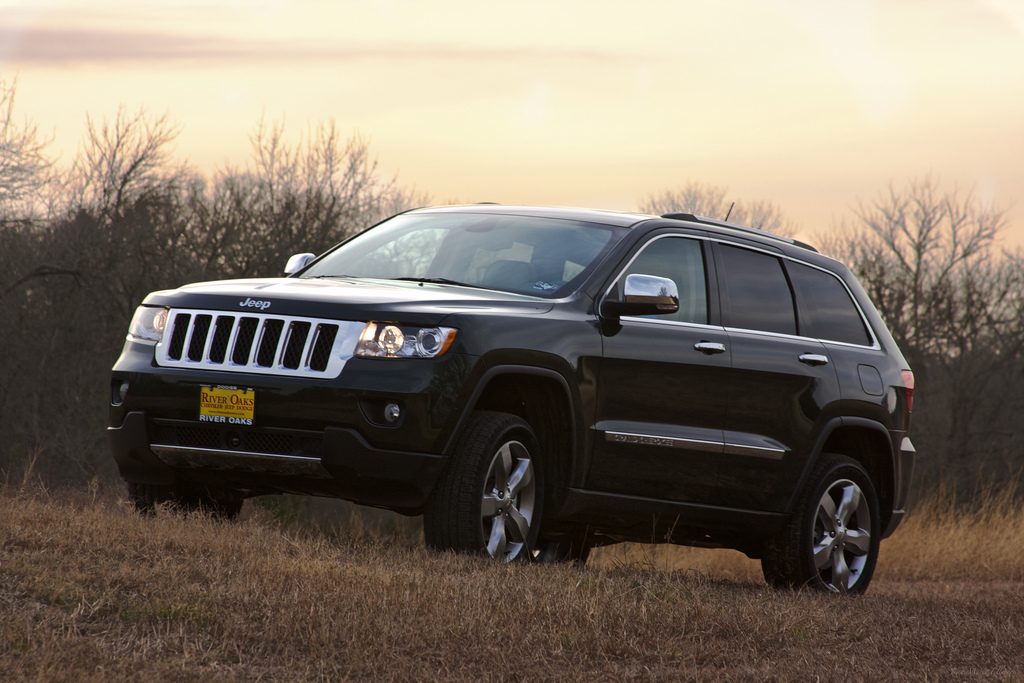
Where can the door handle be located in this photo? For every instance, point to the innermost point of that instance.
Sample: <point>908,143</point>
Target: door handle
<point>709,348</point>
<point>813,359</point>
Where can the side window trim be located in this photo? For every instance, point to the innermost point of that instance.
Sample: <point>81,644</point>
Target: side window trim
<point>786,259</point>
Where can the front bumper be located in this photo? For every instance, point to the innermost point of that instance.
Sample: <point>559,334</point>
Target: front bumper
<point>336,462</point>
<point>324,437</point>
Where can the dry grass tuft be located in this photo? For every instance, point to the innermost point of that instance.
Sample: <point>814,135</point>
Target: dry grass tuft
<point>943,540</point>
<point>90,590</point>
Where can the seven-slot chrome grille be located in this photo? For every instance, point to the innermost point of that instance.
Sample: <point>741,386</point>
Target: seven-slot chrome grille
<point>257,343</point>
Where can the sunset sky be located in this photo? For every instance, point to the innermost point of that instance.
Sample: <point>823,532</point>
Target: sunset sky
<point>811,104</point>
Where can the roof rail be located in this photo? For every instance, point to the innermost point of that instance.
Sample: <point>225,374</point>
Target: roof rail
<point>736,226</point>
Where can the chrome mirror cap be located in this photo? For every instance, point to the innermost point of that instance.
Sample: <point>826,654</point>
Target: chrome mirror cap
<point>659,292</point>
<point>297,262</point>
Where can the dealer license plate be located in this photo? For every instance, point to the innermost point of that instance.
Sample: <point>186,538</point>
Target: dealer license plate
<point>228,405</point>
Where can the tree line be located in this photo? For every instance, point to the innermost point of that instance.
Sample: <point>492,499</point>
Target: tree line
<point>81,246</point>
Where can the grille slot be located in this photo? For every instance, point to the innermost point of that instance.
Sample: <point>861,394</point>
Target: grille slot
<point>268,342</point>
<point>221,337</point>
<point>257,343</point>
<point>246,336</point>
<point>200,329</point>
<point>322,343</point>
<point>296,341</point>
<point>178,336</point>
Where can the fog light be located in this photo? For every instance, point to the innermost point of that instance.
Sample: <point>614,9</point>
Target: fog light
<point>392,412</point>
<point>119,393</point>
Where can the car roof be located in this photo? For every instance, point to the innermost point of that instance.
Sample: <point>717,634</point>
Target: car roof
<point>615,218</point>
<point>622,219</point>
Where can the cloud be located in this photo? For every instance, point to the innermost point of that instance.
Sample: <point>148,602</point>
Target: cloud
<point>1012,10</point>
<point>57,46</point>
<point>848,35</point>
<point>47,46</point>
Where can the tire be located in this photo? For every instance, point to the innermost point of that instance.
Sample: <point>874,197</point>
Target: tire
<point>489,498</point>
<point>831,542</point>
<point>147,497</point>
<point>219,503</point>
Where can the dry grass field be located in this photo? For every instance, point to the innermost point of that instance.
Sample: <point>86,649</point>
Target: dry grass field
<point>91,591</point>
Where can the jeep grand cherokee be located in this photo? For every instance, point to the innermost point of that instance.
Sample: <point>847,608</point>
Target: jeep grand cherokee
<point>536,382</point>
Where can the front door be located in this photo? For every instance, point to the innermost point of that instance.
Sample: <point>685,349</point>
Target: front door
<point>662,387</point>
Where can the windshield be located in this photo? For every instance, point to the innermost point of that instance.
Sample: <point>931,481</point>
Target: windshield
<point>537,256</point>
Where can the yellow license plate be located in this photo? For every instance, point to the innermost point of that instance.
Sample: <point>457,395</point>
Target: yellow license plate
<point>228,405</point>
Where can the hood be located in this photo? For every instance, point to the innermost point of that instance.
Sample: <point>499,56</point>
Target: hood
<point>345,299</point>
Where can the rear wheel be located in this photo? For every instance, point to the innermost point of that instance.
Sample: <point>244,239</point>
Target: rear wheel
<point>831,543</point>
<point>490,496</point>
<point>187,498</point>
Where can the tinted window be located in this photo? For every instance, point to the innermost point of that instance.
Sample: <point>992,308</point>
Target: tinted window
<point>827,311</point>
<point>757,294</point>
<point>682,261</point>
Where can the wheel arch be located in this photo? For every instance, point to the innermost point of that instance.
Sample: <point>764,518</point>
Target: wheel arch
<point>869,443</point>
<point>544,399</point>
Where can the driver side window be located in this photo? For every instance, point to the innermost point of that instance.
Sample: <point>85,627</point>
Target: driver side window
<point>681,260</point>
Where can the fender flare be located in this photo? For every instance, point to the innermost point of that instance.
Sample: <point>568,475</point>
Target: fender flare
<point>511,369</point>
<point>826,432</point>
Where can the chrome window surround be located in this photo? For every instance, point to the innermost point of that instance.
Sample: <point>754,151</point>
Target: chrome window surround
<point>867,325</point>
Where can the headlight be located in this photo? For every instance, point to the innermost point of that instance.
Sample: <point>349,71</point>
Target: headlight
<point>384,340</point>
<point>148,324</point>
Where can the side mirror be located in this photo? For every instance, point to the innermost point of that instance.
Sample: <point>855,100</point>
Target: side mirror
<point>644,295</point>
<point>297,262</point>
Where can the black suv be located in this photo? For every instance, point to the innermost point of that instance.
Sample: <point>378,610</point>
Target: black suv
<point>537,382</point>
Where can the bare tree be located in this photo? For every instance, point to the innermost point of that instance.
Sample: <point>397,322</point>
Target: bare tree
<point>123,160</point>
<point>955,304</point>
<point>74,279</point>
<point>126,219</point>
<point>914,248</point>
<point>24,166</point>
<point>712,201</point>
<point>291,198</point>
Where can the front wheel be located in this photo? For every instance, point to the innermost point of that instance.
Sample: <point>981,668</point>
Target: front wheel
<point>831,543</point>
<point>490,496</point>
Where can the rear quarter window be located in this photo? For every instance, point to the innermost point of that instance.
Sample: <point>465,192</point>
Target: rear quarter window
<point>826,309</point>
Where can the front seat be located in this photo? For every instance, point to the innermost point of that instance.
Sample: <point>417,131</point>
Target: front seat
<point>517,275</point>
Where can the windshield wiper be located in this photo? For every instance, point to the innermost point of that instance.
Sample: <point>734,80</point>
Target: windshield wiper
<point>436,281</point>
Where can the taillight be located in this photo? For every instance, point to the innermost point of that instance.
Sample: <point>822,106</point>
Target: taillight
<point>908,381</point>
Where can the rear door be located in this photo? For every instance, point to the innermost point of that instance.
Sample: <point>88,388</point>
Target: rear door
<point>780,385</point>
